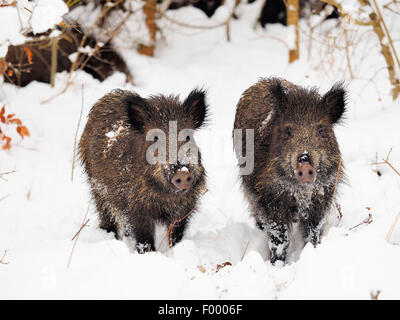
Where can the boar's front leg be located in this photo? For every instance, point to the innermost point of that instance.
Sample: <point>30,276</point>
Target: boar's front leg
<point>274,216</point>
<point>312,230</point>
<point>178,231</point>
<point>143,231</point>
<point>278,241</point>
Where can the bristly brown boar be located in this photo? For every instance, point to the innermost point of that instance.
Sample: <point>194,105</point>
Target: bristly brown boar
<point>296,157</point>
<point>131,194</point>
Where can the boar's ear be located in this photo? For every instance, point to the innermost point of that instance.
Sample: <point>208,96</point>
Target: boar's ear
<point>278,94</point>
<point>334,102</point>
<point>137,111</point>
<point>196,106</point>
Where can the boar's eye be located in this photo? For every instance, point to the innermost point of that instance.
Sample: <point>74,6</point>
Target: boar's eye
<point>187,138</point>
<point>288,132</point>
<point>155,139</point>
<point>322,131</point>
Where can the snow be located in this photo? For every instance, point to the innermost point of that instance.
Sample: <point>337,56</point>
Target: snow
<point>37,16</point>
<point>45,209</point>
<point>46,14</point>
<point>265,122</point>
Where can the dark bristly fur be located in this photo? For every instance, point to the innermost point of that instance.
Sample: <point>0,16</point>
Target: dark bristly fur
<point>131,195</point>
<point>290,121</point>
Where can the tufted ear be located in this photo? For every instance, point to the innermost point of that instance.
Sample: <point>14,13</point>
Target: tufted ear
<point>138,108</point>
<point>196,106</point>
<point>278,94</point>
<point>334,102</point>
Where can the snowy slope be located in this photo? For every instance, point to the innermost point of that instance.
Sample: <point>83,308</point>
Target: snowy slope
<point>44,208</point>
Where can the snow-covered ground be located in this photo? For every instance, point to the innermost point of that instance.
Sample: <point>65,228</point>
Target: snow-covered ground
<point>44,208</point>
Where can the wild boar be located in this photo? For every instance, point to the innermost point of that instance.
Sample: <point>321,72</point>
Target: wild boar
<point>124,148</point>
<point>297,161</point>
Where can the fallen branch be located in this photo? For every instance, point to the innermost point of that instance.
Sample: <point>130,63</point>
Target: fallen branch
<point>367,220</point>
<point>2,258</point>
<point>389,234</point>
<point>245,249</point>
<point>76,137</point>
<point>5,173</point>
<point>375,295</point>
<point>76,236</point>
<point>386,161</point>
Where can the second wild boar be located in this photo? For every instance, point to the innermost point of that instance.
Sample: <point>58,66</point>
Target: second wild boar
<point>297,160</point>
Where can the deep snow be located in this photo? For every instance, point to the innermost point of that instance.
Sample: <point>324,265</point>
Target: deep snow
<point>44,208</point>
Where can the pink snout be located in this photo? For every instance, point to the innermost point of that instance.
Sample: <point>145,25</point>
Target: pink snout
<point>305,173</point>
<point>182,180</point>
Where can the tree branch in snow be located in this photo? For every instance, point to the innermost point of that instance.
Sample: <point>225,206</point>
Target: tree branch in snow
<point>5,173</point>
<point>386,161</point>
<point>367,220</point>
<point>245,249</point>
<point>76,236</point>
<point>375,295</point>
<point>76,137</point>
<point>3,257</point>
<point>389,234</point>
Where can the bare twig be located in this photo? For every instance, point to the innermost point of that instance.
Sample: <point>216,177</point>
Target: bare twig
<point>367,220</point>
<point>76,137</point>
<point>245,249</point>
<point>386,161</point>
<point>389,234</point>
<point>375,295</point>
<point>2,258</point>
<point>5,173</point>
<point>76,236</point>
<point>80,229</point>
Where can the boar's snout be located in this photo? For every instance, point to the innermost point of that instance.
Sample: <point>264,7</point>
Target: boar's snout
<point>305,172</point>
<point>183,180</point>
